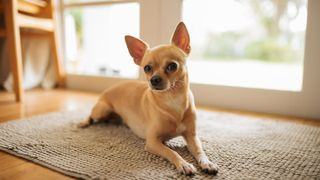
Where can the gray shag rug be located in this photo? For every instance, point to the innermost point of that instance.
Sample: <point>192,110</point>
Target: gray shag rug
<point>243,147</point>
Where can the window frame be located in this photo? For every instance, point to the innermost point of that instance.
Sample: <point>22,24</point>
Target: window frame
<point>158,18</point>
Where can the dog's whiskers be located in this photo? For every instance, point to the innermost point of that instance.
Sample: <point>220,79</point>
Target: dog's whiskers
<point>175,85</point>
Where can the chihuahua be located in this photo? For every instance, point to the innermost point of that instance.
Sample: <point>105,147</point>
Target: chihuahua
<point>161,108</point>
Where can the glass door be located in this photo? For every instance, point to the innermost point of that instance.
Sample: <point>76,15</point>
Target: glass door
<point>256,44</point>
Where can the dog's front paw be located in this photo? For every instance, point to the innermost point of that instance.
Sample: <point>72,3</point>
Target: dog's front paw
<point>85,123</point>
<point>208,167</point>
<point>186,169</point>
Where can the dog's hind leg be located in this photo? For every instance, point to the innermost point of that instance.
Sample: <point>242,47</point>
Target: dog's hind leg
<point>100,111</point>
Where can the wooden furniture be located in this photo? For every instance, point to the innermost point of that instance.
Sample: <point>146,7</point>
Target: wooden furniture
<point>38,16</point>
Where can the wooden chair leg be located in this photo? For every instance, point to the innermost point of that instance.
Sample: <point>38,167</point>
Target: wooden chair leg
<point>58,65</point>
<point>14,47</point>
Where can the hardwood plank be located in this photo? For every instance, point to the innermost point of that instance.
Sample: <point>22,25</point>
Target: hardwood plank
<point>8,161</point>
<point>28,170</point>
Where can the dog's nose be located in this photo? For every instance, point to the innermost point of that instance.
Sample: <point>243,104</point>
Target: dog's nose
<point>156,80</point>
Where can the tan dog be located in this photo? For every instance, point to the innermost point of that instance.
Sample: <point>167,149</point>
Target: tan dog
<point>161,108</point>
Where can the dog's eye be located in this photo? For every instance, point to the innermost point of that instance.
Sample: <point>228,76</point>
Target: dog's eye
<point>147,68</point>
<point>172,67</point>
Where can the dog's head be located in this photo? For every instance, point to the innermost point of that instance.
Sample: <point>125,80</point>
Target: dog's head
<point>165,65</point>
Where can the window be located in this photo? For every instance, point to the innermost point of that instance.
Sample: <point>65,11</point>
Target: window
<point>254,43</point>
<point>94,38</point>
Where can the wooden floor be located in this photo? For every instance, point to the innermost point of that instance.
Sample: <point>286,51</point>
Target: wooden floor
<point>44,101</point>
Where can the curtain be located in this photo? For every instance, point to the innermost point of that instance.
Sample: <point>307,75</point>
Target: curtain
<point>37,63</point>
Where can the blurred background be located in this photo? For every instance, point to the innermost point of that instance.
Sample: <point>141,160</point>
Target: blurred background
<point>247,43</point>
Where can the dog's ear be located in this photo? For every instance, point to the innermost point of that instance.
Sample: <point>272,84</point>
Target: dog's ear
<point>136,48</point>
<point>181,38</point>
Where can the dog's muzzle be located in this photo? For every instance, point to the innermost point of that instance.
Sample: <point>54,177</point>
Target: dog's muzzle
<point>157,83</point>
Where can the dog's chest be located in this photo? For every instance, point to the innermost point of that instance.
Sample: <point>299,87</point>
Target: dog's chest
<point>180,129</point>
<point>175,132</point>
<point>176,103</point>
